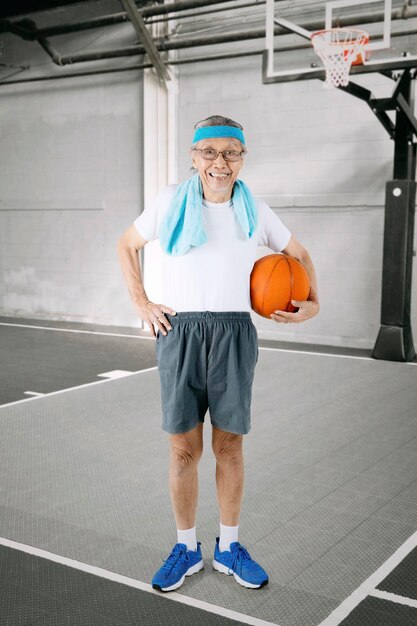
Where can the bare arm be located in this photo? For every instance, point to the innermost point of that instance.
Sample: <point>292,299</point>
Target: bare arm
<point>310,307</point>
<point>128,247</point>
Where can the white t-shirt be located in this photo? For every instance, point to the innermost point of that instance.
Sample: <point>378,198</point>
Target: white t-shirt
<point>214,276</point>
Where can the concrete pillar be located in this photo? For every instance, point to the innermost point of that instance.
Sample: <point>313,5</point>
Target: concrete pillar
<point>160,158</point>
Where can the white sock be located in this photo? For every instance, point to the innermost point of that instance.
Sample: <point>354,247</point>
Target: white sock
<point>228,534</point>
<point>188,537</point>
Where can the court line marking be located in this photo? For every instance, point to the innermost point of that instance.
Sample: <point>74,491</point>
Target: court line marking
<point>368,586</point>
<point>115,374</point>
<point>290,350</point>
<point>393,597</point>
<point>74,330</point>
<point>137,584</point>
<point>34,393</point>
<point>339,356</point>
<point>95,382</point>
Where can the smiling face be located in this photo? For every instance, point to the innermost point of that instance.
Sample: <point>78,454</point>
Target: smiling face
<point>218,176</point>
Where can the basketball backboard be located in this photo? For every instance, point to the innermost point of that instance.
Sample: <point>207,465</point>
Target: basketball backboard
<point>289,54</point>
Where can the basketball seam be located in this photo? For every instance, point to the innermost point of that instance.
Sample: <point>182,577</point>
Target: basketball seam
<point>266,282</point>
<point>291,280</point>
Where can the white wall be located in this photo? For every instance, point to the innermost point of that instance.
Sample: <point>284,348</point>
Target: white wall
<point>320,159</point>
<point>71,182</point>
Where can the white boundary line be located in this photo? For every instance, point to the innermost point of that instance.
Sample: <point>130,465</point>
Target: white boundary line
<point>291,351</point>
<point>74,330</point>
<point>96,382</point>
<point>137,584</point>
<point>315,353</point>
<point>337,356</point>
<point>368,586</point>
<point>393,597</point>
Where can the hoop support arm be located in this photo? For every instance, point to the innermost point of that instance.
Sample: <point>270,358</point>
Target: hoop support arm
<point>379,106</point>
<point>405,108</point>
<point>280,21</point>
<point>379,111</point>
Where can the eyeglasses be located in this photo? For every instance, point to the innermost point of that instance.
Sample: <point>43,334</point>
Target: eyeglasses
<point>209,154</point>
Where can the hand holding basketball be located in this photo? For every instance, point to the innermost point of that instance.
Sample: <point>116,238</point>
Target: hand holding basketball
<point>306,310</point>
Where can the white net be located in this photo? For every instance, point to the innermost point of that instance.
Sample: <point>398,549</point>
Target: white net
<point>338,48</point>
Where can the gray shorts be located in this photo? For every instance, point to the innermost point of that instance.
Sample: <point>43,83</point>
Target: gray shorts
<point>207,361</point>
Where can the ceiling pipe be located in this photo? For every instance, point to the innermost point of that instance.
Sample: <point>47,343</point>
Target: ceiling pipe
<point>51,51</point>
<point>140,66</point>
<point>23,27</point>
<point>166,18</point>
<point>162,46</point>
<point>166,45</point>
<point>218,57</point>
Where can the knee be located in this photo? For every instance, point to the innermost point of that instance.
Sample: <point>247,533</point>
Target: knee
<point>227,448</point>
<point>184,453</point>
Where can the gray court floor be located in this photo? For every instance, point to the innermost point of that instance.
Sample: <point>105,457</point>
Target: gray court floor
<point>331,479</point>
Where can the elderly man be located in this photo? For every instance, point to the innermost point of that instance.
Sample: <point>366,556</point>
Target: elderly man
<point>209,228</point>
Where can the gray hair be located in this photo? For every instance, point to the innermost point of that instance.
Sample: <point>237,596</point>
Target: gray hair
<point>216,120</point>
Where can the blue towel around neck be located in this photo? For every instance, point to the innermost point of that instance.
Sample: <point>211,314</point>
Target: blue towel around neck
<point>182,226</point>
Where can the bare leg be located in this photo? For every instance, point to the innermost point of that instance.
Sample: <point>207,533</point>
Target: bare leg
<point>186,450</point>
<point>227,448</point>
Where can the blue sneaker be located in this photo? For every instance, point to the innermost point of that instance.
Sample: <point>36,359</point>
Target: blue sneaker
<point>180,563</point>
<point>239,562</point>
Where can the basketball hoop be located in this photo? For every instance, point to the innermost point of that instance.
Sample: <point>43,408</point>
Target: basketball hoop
<point>339,49</point>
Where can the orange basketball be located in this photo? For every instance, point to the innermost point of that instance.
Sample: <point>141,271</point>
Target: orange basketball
<point>276,279</point>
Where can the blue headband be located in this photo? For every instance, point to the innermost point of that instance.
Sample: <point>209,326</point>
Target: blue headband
<point>208,132</point>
